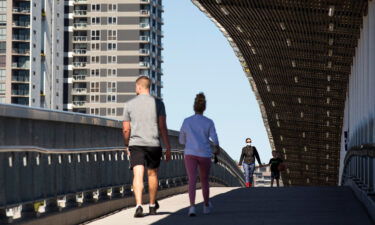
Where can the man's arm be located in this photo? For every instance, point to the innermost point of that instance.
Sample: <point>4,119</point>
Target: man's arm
<point>182,136</point>
<point>164,134</point>
<point>126,134</point>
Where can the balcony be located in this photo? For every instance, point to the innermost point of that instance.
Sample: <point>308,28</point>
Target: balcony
<point>144,38</point>
<point>144,64</point>
<point>79,77</point>
<point>21,51</point>
<point>79,64</point>
<point>80,12</point>
<point>21,10</point>
<point>19,23</point>
<point>144,51</point>
<point>144,12</point>
<point>79,91</point>
<point>145,1</point>
<point>16,65</point>
<point>144,25</point>
<point>80,25</point>
<point>80,38</point>
<point>80,51</point>
<point>20,79</point>
<point>21,37</point>
<point>80,1</point>
<point>20,92</point>
<point>79,103</point>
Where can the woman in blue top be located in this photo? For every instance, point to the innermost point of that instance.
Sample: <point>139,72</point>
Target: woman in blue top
<point>196,133</point>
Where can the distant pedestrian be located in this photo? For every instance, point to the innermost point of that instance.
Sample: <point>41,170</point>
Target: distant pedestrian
<point>196,133</point>
<point>144,118</point>
<point>247,160</point>
<point>276,164</point>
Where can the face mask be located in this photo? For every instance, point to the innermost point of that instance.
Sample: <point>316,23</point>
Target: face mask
<point>248,144</point>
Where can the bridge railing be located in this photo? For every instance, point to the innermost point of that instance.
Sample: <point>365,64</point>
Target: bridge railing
<point>359,174</point>
<point>55,160</point>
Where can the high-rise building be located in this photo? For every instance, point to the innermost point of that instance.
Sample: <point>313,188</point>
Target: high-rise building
<point>31,52</point>
<point>109,43</point>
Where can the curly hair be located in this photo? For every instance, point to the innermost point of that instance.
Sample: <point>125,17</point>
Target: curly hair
<point>200,103</point>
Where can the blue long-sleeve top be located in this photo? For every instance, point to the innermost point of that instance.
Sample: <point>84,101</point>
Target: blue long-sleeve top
<point>196,133</point>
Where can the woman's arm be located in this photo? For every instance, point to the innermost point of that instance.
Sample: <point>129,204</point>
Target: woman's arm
<point>182,136</point>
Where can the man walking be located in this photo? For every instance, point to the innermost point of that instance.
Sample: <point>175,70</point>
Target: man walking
<point>144,122</point>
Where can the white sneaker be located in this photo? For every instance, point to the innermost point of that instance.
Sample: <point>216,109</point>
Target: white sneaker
<point>192,211</point>
<point>207,209</point>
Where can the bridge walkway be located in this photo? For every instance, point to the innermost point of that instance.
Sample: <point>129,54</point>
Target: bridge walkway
<point>257,206</point>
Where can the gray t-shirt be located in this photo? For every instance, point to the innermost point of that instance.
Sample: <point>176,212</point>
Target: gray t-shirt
<point>143,111</point>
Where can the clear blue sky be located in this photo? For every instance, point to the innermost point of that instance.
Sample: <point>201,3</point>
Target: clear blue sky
<point>198,58</point>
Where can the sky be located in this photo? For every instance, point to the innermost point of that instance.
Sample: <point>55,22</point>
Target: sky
<point>198,58</point>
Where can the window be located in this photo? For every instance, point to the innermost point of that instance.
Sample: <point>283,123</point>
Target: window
<point>112,59</point>
<point>94,87</point>
<point>2,75</point>
<point>111,112</point>
<point>112,35</point>
<point>2,60</point>
<point>111,87</point>
<point>2,99</point>
<point>95,73</point>
<point>95,20</point>
<point>111,98</point>
<point>3,5</point>
<point>95,7</point>
<point>112,46</point>
<point>112,72</point>
<point>112,20</point>
<point>112,7</point>
<point>2,33</point>
<point>2,88</point>
<point>95,47</point>
<point>95,35</point>
<point>3,20</point>
<point>95,59</point>
<point>94,98</point>
<point>94,111</point>
<point>2,47</point>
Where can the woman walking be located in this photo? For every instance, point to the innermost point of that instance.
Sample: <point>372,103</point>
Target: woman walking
<point>196,133</point>
<point>248,155</point>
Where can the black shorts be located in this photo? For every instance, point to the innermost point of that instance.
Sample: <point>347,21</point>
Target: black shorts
<point>275,175</point>
<point>149,157</point>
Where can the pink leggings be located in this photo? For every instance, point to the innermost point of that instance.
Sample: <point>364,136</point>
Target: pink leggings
<point>191,164</point>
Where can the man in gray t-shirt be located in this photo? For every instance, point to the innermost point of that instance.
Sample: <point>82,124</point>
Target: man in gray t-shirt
<point>144,123</point>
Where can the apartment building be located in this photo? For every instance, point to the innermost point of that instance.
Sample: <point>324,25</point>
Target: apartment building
<point>108,44</point>
<point>31,52</point>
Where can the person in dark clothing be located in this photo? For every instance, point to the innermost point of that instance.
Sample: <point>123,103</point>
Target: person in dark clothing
<point>275,172</point>
<point>247,160</point>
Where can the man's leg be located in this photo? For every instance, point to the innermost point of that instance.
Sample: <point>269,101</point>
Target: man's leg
<point>278,182</point>
<point>138,172</point>
<point>272,182</point>
<point>153,184</point>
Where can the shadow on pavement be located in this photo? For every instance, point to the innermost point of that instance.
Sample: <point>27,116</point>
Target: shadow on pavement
<point>279,206</point>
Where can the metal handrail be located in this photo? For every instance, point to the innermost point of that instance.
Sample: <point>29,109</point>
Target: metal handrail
<point>359,167</point>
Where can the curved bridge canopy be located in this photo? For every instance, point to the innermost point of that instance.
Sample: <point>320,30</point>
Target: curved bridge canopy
<point>297,55</point>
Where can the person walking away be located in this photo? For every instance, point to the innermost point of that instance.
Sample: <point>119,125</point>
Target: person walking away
<point>247,160</point>
<point>144,123</point>
<point>275,163</point>
<point>196,133</point>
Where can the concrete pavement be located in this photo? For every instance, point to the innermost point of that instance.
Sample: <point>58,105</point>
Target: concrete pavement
<point>257,206</point>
